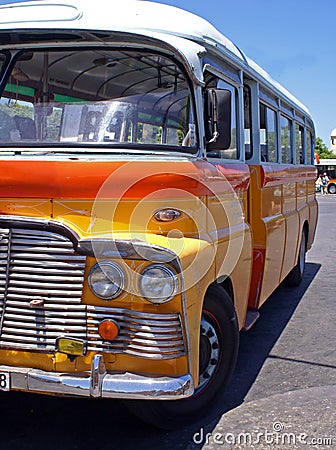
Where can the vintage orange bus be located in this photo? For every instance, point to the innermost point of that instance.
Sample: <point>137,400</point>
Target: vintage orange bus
<point>156,187</point>
<point>328,166</point>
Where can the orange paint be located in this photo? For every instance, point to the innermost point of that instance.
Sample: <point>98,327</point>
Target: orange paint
<point>84,179</point>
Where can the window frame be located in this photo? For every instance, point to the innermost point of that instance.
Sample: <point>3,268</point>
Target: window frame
<point>235,89</point>
<point>13,58</point>
<point>290,139</point>
<point>268,109</point>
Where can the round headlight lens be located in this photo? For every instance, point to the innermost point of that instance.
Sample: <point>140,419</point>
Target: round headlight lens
<point>158,283</point>
<point>106,280</point>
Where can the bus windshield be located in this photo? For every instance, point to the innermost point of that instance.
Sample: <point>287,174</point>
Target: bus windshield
<point>98,98</point>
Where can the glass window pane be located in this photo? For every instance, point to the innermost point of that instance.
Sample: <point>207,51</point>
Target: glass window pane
<point>309,144</point>
<point>232,151</point>
<point>286,140</point>
<point>271,135</point>
<point>97,96</point>
<point>268,134</point>
<point>247,123</point>
<point>299,144</point>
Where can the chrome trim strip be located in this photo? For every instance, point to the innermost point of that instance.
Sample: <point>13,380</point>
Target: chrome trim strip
<point>98,383</point>
<point>185,326</point>
<point>39,224</point>
<point>127,249</point>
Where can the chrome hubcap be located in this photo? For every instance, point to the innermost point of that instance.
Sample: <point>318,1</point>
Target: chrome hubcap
<point>209,352</point>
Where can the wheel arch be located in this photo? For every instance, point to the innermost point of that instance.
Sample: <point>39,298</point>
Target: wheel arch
<point>226,283</point>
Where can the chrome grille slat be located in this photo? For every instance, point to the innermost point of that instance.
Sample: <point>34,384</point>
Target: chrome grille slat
<point>50,307</point>
<point>152,339</point>
<point>51,264</point>
<point>161,320</point>
<point>54,274</point>
<point>50,334</point>
<point>38,234</point>
<point>39,340</point>
<point>17,249</point>
<point>45,320</point>
<point>46,282</point>
<point>43,348</point>
<point>141,328</point>
<point>41,292</point>
<point>48,257</point>
<point>41,242</point>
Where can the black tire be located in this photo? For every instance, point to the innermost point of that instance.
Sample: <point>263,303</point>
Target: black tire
<point>219,344</point>
<point>332,188</point>
<point>295,276</point>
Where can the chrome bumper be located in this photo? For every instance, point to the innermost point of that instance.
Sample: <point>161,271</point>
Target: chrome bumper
<point>99,383</point>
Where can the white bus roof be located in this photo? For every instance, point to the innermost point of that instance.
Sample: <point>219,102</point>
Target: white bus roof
<point>132,16</point>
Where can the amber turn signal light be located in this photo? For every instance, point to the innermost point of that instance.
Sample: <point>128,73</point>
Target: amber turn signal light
<point>108,330</point>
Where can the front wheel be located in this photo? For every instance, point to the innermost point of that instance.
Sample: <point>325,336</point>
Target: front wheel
<point>219,341</point>
<point>295,277</point>
<point>332,188</point>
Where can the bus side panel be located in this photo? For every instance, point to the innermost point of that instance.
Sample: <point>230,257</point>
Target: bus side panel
<point>275,223</point>
<point>227,210</point>
<point>313,208</point>
<point>293,222</point>
<point>268,229</point>
<point>292,227</point>
<point>302,206</point>
<point>275,231</point>
<point>282,200</point>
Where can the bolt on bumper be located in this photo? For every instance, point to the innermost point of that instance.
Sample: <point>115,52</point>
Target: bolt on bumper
<point>99,383</point>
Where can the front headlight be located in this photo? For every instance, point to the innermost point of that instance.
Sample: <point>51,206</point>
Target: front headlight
<point>158,283</point>
<point>106,280</point>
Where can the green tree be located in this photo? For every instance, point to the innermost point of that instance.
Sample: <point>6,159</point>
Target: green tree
<point>322,150</point>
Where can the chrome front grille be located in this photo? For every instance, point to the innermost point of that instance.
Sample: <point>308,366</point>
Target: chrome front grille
<point>156,336</point>
<point>41,289</point>
<point>41,283</point>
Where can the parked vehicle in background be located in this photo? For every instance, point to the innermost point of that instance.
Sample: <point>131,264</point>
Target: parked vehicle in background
<point>328,166</point>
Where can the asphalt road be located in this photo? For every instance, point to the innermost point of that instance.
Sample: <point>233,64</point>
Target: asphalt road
<point>284,387</point>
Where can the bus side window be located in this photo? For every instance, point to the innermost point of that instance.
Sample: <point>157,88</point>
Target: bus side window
<point>299,144</point>
<point>232,151</point>
<point>247,123</point>
<point>286,140</point>
<point>268,134</point>
<point>309,146</point>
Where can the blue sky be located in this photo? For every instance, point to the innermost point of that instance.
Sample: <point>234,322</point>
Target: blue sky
<point>294,40</point>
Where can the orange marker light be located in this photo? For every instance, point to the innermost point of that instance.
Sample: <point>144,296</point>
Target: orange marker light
<point>108,330</point>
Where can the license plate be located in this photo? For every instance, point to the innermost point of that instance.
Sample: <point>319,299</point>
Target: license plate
<point>4,381</point>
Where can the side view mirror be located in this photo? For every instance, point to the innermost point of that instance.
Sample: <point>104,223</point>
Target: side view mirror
<point>218,119</point>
